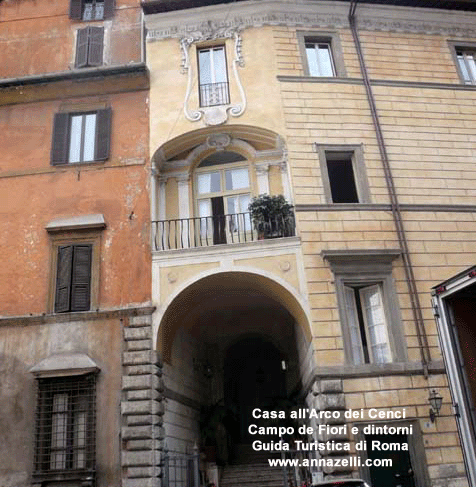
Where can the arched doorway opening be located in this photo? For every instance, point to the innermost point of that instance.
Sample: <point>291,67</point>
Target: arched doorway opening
<point>254,377</point>
<point>231,341</point>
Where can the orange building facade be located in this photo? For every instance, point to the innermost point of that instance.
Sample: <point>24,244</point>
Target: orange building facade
<point>75,233</point>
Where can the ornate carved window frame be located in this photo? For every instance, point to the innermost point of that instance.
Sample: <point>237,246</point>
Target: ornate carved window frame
<point>214,115</point>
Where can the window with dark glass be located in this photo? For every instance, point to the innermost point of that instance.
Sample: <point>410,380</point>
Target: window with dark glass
<point>65,428</point>
<point>213,77</point>
<point>341,178</point>
<point>73,278</point>
<point>91,9</point>
<point>81,137</point>
<point>89,47</point>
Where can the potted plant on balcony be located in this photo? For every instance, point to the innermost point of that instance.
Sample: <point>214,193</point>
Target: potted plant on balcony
<point>272,216</point>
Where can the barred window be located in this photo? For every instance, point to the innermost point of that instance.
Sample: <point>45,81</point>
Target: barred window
<point>65,427</point>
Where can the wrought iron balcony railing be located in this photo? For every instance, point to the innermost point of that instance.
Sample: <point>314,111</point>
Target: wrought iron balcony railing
<point>214,94</point>
<point>185,233</point>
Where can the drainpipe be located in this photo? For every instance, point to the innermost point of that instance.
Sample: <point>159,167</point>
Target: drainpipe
<point>396,211</point>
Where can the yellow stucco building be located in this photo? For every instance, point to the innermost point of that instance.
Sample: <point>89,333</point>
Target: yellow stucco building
<point>362,117</point>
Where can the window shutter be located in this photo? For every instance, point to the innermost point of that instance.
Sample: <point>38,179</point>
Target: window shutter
<point>82,42</point>
<point>81,278</point>
<point>59,149</point>
<point>353,324</point>
<point>75,9</point>
<point>63,278</point>
<point>108,8</point>
<point>96,41</point>
<point>103,134</point>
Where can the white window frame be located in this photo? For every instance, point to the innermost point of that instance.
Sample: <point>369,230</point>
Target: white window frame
<point>224,193</point>
<point>215,96</point>
<point>465,66</point>
<point>360,325</point>
<point>96,9</point>
<point>315,50</point>
<point>329,39</point>
<point>84,140</point>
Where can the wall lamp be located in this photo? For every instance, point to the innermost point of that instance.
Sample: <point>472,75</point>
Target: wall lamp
<point>435,401</point>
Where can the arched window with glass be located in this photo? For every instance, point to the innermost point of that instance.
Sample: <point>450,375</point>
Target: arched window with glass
<point>222,195</point>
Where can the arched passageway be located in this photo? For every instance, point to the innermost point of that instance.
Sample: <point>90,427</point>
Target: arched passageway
<point>231,341</point>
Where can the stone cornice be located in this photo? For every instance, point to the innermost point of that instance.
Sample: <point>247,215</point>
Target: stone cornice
<point>83,74</point>
<point>373,370</point>
<point>378,82</point>
<point>43,319</point>
<point>385,207</point>
<point>309,15</point>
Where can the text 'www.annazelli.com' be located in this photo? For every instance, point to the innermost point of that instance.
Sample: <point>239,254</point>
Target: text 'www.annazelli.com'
<point>353,461</point>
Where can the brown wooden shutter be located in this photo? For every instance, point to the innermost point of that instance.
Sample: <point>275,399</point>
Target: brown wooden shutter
<point>108,8</point>
<point>63,278</point>
<point>103,134</point>
<point>81,278</point>
<point>75,9</point>
<point>60,144</point>
<point>82,43</point>
<point>96,42</point>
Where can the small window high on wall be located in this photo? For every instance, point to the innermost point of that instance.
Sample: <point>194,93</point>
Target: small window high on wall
<point>343,173</point>
<point>91,9</point>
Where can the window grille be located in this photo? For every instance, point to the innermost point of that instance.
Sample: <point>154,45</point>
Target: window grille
<point>65,428</point>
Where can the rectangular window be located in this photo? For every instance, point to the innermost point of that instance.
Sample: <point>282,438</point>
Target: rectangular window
<point>81,137</point>
<point>342,179</point>
<point>213,77</point>
<point>368,304</point>
<point>91,9</point>
<point>73,278</point>
<point>321,54</point>
<point>343,174</point>
<point>89,47</point>
<point>65,427</point>
<point>319,59</point>
<point>467,65</point>
<point>367,324</point>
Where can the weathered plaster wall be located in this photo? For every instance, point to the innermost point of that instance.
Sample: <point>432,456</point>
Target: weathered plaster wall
<point>35,193</point>
<point>21,347</point>
<point>39,37</point>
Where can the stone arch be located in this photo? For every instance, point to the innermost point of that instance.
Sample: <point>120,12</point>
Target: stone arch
<point>186,302</point>
<point>183,149</point>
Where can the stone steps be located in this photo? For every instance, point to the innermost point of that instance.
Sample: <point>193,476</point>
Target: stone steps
<point>251,469</point>
<point>251,475</point>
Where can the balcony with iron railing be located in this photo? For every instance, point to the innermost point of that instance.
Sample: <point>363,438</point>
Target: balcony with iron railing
<point>207,231</point>
<point>213,94</point>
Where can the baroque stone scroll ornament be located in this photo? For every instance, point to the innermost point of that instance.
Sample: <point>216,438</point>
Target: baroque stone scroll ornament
<point>215,115</point>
